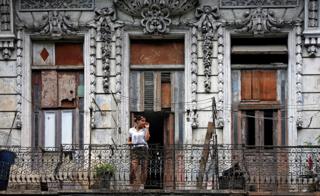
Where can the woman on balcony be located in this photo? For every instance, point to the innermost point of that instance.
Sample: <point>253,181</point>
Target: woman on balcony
<point>138,137</point>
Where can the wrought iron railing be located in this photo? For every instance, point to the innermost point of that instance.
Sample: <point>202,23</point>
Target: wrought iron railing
<point>175,167</point>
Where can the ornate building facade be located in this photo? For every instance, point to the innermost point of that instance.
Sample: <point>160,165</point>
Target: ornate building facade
<point>76,72</point>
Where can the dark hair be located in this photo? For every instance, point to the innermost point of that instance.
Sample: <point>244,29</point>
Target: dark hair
<point>138,117</point>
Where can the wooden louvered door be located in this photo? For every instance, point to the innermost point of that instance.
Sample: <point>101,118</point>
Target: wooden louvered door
<point>151,95</point>
<point>157,91</point>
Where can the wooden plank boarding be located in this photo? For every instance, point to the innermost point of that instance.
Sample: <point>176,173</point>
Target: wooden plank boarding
<point>205,152</point>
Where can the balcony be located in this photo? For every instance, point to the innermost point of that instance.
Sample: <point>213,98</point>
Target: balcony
<point>176,168</point>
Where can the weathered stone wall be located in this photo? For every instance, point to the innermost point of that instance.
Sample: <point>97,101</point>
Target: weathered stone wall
<point>9,80</point>
<point>106,30</point>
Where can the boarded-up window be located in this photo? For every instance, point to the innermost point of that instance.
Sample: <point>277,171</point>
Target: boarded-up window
<point>156,52</point>
<point>69,54</point>
<point>260,85</point>
<point>59,89</point>
<point>165,90</point>
<point>57,54</point>
<point>57,93</point>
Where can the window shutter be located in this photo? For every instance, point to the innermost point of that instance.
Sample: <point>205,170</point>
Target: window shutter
<point>246,88</point>
<point>148,90</point>
<point>49,89</point>
<point>260,85</point>
<point>69,53</point>
<point>165,90</point>
<point>268,85</point>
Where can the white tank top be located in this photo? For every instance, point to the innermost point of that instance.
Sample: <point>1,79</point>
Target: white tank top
<point>138,137</point>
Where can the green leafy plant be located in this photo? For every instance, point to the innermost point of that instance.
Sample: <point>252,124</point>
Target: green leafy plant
<point>309,143</point>
<point>104,169</point>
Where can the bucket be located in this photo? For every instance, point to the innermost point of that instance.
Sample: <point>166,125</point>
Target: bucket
<point>6,160</point>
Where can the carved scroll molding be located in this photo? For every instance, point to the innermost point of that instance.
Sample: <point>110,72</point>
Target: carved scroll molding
<point>155,14</point>
<point>93,61</point>
<point>106,30</point>
<point>207,25</point>
<point>220,100</point>
<point>48,5</point>
<point>19,76</point>
<point>192,112</point>
<point>311,26</point>
<point>299,73</point>
<point>258,21</point>
<point>107,26</point>
<point>56,24</point>
<point>208,28</point>
<point>7,36</point>
<point>118,36</point>
<point>257,3</point>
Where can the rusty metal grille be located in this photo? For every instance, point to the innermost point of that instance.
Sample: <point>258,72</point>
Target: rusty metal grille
<point>272,168</point>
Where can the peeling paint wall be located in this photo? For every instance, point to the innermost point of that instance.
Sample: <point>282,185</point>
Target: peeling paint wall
<point>206,29</point>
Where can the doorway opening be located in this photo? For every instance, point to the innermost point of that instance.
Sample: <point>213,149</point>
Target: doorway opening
<point>155,143</point>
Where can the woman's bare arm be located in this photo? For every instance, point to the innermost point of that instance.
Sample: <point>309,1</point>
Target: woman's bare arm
<point>147,134</point>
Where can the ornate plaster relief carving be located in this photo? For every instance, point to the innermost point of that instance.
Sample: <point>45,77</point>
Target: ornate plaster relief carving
<point>258,21</point>
<point>208,25</point>
<point>19,76</point>
<point>210,28</point>
<point>257,3</point>
<point>299,64</point>
<point>155,14</point>
<point>40,5</point>
<point>311,27</point>
<point>192,113</point>
<point>56,24</point>
<point>102,29</point>
<point>6,48</point>
<point>106,25</point>
<point>6,30</point>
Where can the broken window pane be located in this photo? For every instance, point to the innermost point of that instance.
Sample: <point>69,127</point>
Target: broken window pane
<point>67,89</point>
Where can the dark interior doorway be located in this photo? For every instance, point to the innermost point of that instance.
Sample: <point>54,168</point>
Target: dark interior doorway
<point>156,127</point>
<point>155,165</point>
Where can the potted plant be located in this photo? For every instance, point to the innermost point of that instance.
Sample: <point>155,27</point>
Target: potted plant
<point>104,173</point>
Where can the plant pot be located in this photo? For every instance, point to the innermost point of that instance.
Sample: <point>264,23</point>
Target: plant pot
<point>6,160</point>
<point>105,181</point>
<point>231,182</point>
